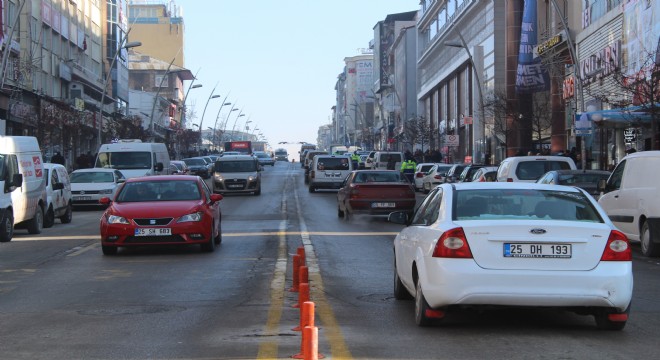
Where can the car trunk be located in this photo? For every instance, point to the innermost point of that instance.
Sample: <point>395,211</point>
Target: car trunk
<point>535,245</point>
<point>382,191</point>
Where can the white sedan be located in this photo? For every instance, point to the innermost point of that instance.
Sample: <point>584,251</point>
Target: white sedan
<point>512,244</point>
<point>88,186</point>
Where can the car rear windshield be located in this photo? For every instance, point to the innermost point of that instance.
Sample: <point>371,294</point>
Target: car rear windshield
<point>523,204</point>
<point>533,170</point>
<point>235,166</point>
<point>386,157</point>
<point>124,160</point>
<point>193,162</point>
<point>378,176</point>
<point>338,163</point>
<point>570,179</point>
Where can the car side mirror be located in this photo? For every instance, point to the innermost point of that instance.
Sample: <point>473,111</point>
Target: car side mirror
<point>158,167</point>
<point>58,186</point>
<point>215,198</point>
<point>398,217</point>
<point>105,200</point>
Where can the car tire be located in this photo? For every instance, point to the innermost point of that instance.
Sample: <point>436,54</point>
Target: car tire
<point>109,250</point>
<point>340,214</point>
<point>604,323</point>
<point>420,307</point>
<point>649,248</point>
<point>49,218</point>
<point>68,214</point>
<point>400,292</point>
<point>209,246</point>
<point>7,227</point>
<point>36,224</point>
<point>218,238</point>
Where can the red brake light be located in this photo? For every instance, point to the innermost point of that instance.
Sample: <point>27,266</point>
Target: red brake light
<point>452,244</point>
<point>617,248</point>
<point>419,175</point>
<point>437,177</point>
<point>509,180</point>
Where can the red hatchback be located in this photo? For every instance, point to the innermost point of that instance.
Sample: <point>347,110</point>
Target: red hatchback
<point>166,210</point>
<point>375,192</point>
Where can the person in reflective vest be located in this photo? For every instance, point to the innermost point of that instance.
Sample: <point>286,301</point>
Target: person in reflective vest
<point>355,159</point>
<point>408,169</point>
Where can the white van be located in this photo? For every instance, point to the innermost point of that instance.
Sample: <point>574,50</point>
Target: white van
<point>329,171</point>
<point>24,183</point>
<point>531,168</point>
<point>134,158</point>
<point>381,158</point>
<point>630,199</point>
<point>237,174</point>
<point>58,195</point>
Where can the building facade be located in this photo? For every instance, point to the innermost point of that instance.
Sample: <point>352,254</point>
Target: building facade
<point>159,25</point>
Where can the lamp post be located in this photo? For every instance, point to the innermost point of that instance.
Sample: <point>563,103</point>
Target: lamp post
<point>246,128</point>
<point>476,120</point>
<point>224,125</point>
<point>201,121</point>
<point>190,87</point>
<point>233,128</point>
<point>224,102</point>
<point>128,45</point>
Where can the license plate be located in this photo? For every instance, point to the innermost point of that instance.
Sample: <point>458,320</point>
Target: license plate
<point>235,186</point>
<point>524,250</point>
<point>153,231</point>
<point>383,205</point>
<point>81,198</point>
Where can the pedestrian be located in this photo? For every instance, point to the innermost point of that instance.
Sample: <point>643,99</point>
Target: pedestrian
<point>58,159</point>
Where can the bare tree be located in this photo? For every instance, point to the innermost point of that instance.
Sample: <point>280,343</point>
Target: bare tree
<point>416,131</point>
<point>501,110</point>
<point>541,118</point>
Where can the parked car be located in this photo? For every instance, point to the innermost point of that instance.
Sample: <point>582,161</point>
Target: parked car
<point>420,171</point>
<point>264,159</point>
<point>630,199</point>
<point>585,179</point>
<point>88,186</point>
<point>435,177</point>
<point>531,168</point>
<point>454,172</point>
<point>181,167</point>
<point>168,210</point>
<point>468,172</point>
<point>485,174</point>
<point>512,244</point>
<point>197,166</point>
<point>58,195</point>
<point>375,192</point>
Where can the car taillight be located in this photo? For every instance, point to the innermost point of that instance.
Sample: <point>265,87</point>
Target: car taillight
<point>617,248</point>
<point>311,174</point>
<point>355,191</point>
<point>419,175</point>
<point>438,177</point>
<point>452,244</point>
<point>509,180</point>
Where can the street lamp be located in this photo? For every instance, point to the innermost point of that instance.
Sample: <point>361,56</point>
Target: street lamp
<point>224,102</point>
<point>196,86</point>
<point>224,125</point>
<point>479,118</point>
<point>128,45</point>
<point>201,121</point>
<point>233,128</point>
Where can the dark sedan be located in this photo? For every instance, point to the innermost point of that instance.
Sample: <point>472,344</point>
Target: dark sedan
<point>197,166</point>
<point>375,192</point>
<point>585,179</point>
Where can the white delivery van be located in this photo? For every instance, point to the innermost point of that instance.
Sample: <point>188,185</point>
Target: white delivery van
<point>24,184</point>
<point>531,168</point>
<point>329,171</point>
<point>58,195</point>
<point>134,158</point>
<point>381,158</point>
<point>630,199</point>
<point>237,174</point>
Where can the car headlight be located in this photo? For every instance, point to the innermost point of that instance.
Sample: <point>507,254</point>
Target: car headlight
<point>194,217</point>
<point>114,219</point>
<point>251,178</point>
<point>218,177</point>
<point>106,191</point>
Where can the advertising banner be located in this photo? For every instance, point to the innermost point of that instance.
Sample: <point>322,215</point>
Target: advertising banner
<point>531,75</point>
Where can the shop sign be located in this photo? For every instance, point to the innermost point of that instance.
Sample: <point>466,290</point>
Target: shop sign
<point>602,63</point>
<point>568,87</point>
<point>549,44</point>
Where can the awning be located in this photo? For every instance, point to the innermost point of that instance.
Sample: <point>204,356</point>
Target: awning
<point>622,117</point>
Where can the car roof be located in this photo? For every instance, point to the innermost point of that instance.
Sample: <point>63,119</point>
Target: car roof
<point>94,170</point>
<point>164,178</point>
<point>587,171</point>
<point>53,165</point>
<point>508,185</point>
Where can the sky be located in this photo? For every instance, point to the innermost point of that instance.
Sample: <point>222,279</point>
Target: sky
<point>277,61</point>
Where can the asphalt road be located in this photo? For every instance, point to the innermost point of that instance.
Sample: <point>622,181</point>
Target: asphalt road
<point>60,298</point>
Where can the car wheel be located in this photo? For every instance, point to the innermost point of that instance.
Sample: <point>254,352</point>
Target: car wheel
<point>109,250</point>
<point>258,192</point>
<point>339,212</point>
<point>210,245</point>
<point>36,224</point>
<point>421,306</point>
<point>68,215</point>
<point>400,292</point>
<point>649,248</point>
<point>49,218</point>
<point>7,227</point>
<point>603,322</point>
